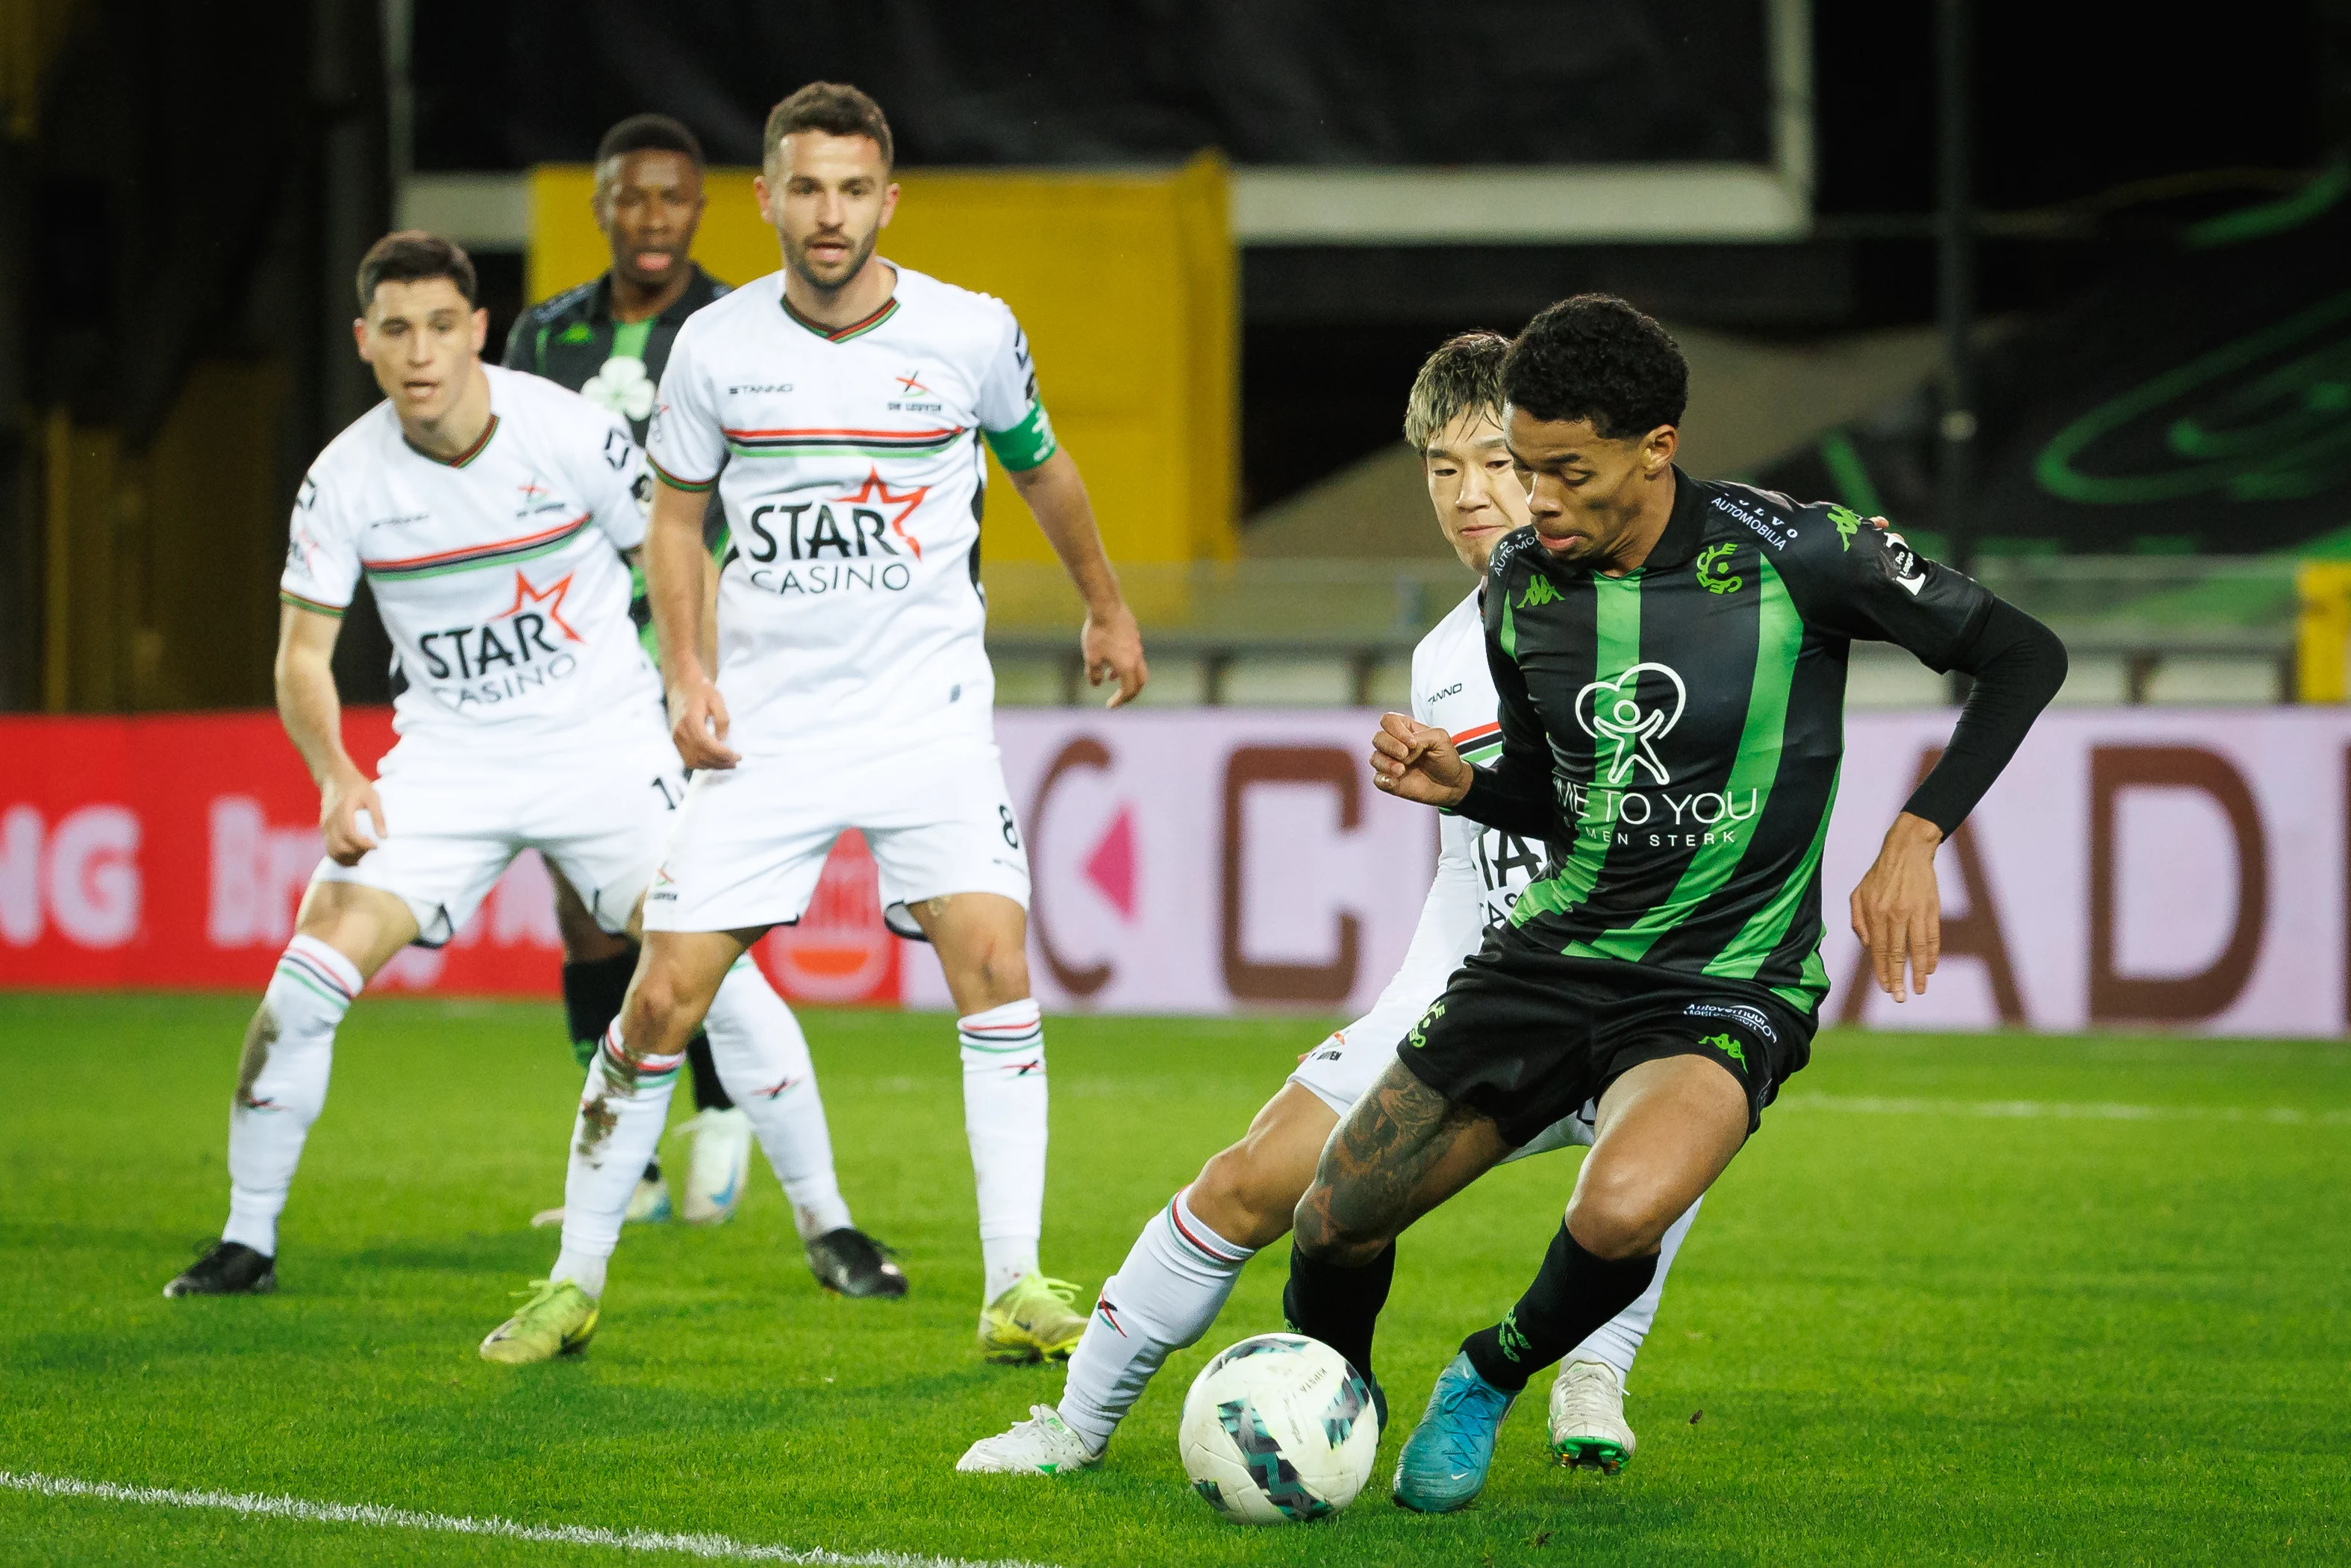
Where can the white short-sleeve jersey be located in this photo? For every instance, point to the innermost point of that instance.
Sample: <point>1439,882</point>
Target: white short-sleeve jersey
<point>850,463</point>
<point>1481,871</point>
<point>499,574</point>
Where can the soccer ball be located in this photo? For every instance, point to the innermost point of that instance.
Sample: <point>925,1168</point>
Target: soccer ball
<point>1277,1429</point>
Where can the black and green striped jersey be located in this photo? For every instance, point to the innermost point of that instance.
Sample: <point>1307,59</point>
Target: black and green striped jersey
<point>1681,728</point>
<point>573,340</point>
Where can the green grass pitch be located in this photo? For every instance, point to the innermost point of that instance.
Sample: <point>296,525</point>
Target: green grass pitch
<point>1909,1326</point>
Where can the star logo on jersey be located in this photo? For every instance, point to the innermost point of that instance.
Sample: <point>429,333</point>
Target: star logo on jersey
<point>913,387</point>
<point>532,491</point>
<point>1611,712</point>
<point>549,600</point>
<point>875,491</point>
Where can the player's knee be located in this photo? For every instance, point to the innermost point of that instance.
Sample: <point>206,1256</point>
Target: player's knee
<point>657,1009</point>
<point>1240,1199</point>
<point>1323,1235</point>
<point>1618,1214</point>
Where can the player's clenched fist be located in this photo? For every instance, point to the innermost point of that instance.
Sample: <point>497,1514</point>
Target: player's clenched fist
<point>1416,761</point>
<point>698,725</point>
<point>339,803</point>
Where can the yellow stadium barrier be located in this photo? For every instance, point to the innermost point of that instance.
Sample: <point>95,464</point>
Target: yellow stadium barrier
<point>1125,285</point>
<point>2323,637</point>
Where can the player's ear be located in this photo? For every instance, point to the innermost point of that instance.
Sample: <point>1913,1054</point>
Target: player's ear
<point>481,327</point>
<point>359,335</point>
<point>1658,451</point>
<point>889,203</point>
<point>760,192</point>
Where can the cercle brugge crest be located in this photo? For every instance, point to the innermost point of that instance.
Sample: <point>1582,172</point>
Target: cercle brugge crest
<point>1609,711</point>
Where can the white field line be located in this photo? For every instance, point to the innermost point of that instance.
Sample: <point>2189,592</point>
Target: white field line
<point>2058,1110</point>
<point>718,1548</point>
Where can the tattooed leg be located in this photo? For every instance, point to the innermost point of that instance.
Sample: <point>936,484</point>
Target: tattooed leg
<point>1401,1151</point>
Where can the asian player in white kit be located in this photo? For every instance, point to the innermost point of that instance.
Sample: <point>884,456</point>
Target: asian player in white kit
<point>489,512</point>
<point>1184,1264</point>
<point>841,406</point>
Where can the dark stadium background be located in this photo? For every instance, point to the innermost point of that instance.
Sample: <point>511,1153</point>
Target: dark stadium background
<point>187,187</point>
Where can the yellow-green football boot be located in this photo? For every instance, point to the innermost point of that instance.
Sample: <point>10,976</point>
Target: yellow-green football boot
<point>559,1319</point>
<point>1032,1320</point>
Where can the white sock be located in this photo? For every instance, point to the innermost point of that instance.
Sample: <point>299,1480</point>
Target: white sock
<point>1004,1120</point>
<point>1175,1280</point>
<point>281,1084</point>
<point>623,1108</point>
<point>1618,1341</point>
<point>763,1059</point>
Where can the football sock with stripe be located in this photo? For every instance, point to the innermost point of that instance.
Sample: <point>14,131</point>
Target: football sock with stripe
<point>1337,1305</point>
<point>1618,1341</point>
<point>756,1045</point>
<point>1175,1280</point>
<point>623,1108</point>
<point>281,1084</point>
<point>594,993</point>
<point>1573,1294</point>
<point>1003,1053</point>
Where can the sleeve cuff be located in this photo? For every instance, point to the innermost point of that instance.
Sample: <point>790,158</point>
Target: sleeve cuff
<point>315,606</point>
<point>675,483</point>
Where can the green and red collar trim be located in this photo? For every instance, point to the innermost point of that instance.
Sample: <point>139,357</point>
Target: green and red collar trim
<point>462,458</point>
<point>857,328</point>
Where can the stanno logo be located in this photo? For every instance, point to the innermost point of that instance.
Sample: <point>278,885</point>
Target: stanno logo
<point>1539,592</point>
<point>1611,711</point>
<point>1714,568</point>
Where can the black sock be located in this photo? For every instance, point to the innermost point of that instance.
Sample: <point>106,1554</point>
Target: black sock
<point>1573,1294</point>
<point>592,994</point>
<point>709,1093</point>
<point>1339,1306</point>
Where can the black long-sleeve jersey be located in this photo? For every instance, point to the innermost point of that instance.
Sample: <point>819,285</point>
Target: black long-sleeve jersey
<point>1676,734</point>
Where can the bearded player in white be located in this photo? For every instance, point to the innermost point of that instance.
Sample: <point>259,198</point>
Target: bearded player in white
<point>840,407</point>
<point>1184,1264</point>
<point>490,512</point>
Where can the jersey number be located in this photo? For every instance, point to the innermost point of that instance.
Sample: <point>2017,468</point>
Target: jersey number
<point>668,799</point>
<point>1011,834</point>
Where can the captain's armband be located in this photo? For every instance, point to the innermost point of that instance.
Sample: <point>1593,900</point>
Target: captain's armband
<point>1026,444</point>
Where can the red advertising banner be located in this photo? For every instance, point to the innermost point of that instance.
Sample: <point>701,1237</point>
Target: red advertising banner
<point>2183,869</point>
<point>173,852</point>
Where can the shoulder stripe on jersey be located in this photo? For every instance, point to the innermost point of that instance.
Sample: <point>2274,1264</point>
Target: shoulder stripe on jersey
<point>820,442</point>
<point>472,558</point>
<point>312,605</point>
<point>857,328</point>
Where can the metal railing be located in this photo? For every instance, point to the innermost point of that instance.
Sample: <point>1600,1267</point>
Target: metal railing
<point>2146,611</point>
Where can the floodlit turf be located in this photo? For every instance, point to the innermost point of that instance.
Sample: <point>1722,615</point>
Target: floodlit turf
<point>1916,1332</point>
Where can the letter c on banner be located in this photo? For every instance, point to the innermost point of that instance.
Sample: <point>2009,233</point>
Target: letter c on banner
<point>2117,998</point>
<point>1247,979</point>
<point>1085,751</point>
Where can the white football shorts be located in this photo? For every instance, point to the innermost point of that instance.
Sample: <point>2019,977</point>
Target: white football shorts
<point>748,843</point>
<point>458,811</point>
<point>1342,1069</point>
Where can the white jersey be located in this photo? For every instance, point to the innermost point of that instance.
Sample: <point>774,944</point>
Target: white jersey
<point>849,461</point>
<point>1481,871</point>
<point>499,574</point>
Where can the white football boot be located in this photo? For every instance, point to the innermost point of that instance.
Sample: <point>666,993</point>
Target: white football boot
<point>1041,1445</point>
<point>720,1166</point>
<point>1587,1418</point>
<point>648,1203</point>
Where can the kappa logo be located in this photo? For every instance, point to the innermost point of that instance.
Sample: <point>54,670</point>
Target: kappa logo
<point>1611,711</point>
<point>1539,592</point>
<point>1728,1046</point>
